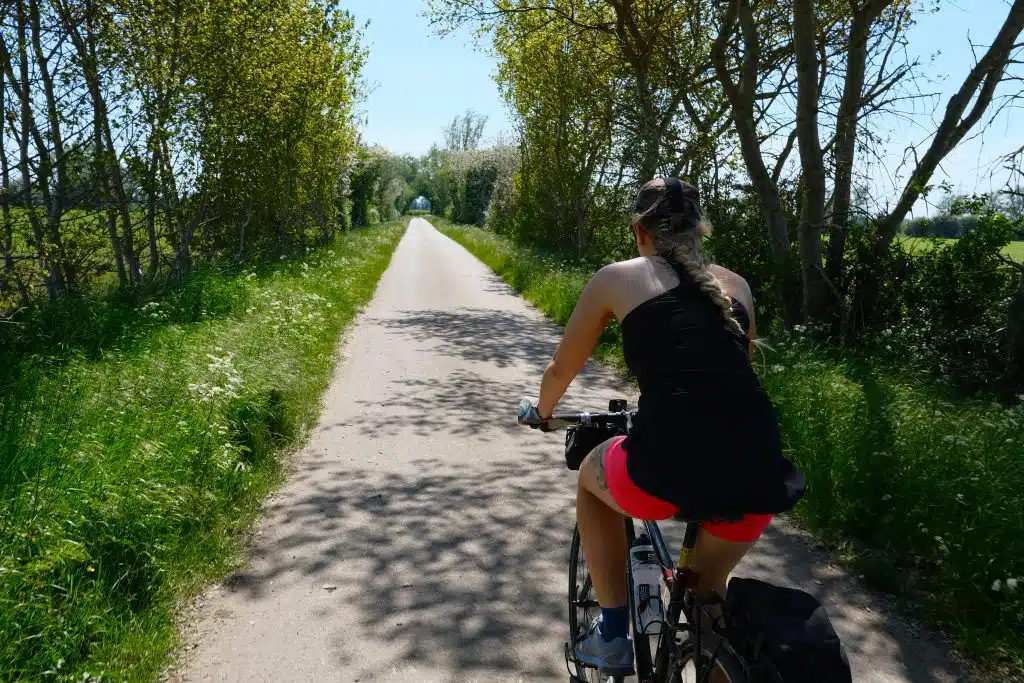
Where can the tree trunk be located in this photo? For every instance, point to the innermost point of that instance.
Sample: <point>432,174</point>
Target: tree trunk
<point>812,214</point>
<point>100,167</point>
<point>154,254</point>
<point>241,232</point>
<point>87,53</point>
<point>741,99</point>
<point>113,166</point>
<point>846,137</point>
<point>7,234</point>
<point>54,278</point>
<point>183,257</point>
<point>55,205</point>
<point>176,226</point>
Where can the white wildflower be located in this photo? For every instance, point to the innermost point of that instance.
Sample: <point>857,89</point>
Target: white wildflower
<point>1011,584</point>
<point>997,585</point>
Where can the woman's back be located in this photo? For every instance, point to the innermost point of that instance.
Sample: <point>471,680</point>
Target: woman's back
<point>677,342</point>
<point>706,433</point>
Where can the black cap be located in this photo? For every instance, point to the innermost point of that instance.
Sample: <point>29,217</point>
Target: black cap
<point>670,197</point>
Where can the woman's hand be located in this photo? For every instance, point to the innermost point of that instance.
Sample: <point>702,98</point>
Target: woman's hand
<point>529,414</point>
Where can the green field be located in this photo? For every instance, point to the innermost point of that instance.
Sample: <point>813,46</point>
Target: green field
<point>1014,250</point>
<point>138,438</point>
<point>922,494</point>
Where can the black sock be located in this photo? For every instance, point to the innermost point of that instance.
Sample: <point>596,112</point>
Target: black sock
<point>614,622</point>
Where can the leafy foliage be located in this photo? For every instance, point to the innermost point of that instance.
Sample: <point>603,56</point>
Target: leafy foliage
<point>160,133</point>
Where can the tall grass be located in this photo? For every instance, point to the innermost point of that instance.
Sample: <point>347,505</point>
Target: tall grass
<point>138,438</point>
<point>923,493</point>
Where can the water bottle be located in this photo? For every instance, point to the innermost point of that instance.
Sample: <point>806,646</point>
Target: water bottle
<point>646,572</point>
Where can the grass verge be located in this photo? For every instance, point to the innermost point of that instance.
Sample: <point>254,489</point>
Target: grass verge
<point>129,465</point>
<point>924,495</point>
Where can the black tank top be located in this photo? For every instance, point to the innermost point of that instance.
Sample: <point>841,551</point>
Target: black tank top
<point>706,436</point>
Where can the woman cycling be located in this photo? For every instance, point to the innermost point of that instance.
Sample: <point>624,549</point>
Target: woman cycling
<point>705,441</point>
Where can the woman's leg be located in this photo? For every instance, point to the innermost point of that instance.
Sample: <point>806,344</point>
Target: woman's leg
<point>602,528</point>
<point>714,559</point>
<point>602,531</point>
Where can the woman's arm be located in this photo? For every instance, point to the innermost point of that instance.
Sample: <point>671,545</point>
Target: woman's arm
<point>584,328</point>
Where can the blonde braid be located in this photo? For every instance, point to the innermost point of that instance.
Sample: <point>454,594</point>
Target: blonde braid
<point>685,248</point>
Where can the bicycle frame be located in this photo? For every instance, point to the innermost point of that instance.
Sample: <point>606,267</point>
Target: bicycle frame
<point>681,580</point>
<point>679,576</point>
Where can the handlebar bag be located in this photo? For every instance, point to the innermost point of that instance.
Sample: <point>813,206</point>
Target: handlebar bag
<point>582,439</point>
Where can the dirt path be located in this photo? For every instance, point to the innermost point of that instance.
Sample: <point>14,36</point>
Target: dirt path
<point>424,537</point>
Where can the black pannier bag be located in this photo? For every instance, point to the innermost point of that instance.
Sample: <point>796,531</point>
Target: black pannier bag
<point>582,439</point>
<point>787,634</point>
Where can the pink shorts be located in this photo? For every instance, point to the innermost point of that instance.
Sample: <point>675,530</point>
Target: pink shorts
<point>642,505</point>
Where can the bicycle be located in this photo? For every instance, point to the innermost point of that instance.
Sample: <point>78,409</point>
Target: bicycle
<point>672,658</point>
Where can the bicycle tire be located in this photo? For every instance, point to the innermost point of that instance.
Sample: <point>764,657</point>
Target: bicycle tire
<point>582,590</point>
<point>728,662</point>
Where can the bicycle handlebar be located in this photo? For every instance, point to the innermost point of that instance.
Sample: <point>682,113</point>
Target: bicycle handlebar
<point>613,418</point>
<point>616,419</point>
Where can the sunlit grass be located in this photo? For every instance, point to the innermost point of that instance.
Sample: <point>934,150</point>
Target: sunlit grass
<point>924,495</point>
<point>133,452</point>
<point>1013,250</point>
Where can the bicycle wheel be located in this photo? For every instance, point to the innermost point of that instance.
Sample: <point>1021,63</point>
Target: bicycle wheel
<point>729,668</point>
<point>583,609</point>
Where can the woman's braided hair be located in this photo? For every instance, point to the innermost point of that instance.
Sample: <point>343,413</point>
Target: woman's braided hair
<point>669,210</point>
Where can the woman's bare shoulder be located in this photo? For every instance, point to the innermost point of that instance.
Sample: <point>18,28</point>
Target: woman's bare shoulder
<point>629,264</point>
<point>735,286</point>
<point>628,269</point>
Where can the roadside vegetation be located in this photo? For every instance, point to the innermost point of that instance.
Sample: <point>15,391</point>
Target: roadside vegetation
<point>138,436</point>
<point>179,187</point>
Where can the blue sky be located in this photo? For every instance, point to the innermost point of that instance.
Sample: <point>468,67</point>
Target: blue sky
<point>421,81</point>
